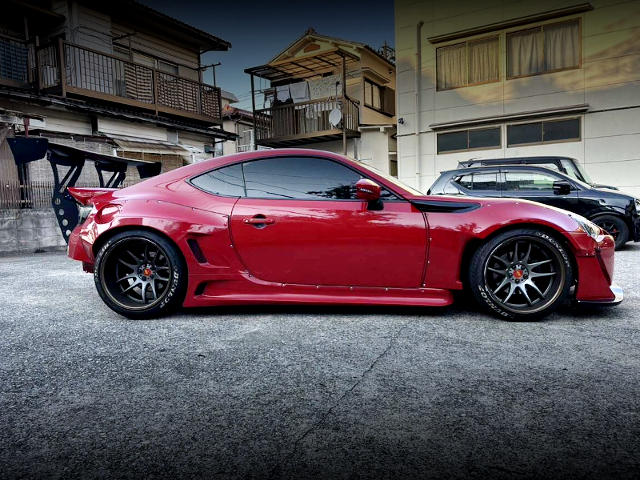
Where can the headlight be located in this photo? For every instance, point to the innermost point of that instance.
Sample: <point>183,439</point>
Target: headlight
<point>637,204</point>
<point>588,226</point>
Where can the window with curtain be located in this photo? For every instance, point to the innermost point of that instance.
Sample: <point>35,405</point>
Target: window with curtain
<point>469,63</point>
<point>544,49</point>
<point>372,95</point>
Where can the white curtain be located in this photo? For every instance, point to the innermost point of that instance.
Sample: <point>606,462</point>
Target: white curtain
<point>484,60</point>
<point>451,66</point>
<point>562,45</point>
<point>524,53</point>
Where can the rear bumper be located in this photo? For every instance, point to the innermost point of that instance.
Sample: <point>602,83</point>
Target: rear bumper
<point>616,291</point>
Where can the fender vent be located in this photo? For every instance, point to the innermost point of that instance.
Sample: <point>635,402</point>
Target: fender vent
<point>200,289</point>
<point>197,252</point>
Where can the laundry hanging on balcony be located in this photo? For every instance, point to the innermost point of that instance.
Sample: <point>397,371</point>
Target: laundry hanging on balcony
<point>300,92</point>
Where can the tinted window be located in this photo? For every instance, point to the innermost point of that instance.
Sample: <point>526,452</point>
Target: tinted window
<point>223,181</point>
<point>485,181</point>
<point>489,137</point>
<point>465,181</point>
<point>528,181</point>
<point>478,181</point>
<point>300,178</point>
<point>449,142</point>
<point>524,133</point>
<point>562,130</point>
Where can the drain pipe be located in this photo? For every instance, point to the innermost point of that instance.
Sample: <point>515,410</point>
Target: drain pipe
<point>417,98</point>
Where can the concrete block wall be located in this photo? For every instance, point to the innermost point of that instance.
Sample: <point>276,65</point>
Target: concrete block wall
<point>29,230</point>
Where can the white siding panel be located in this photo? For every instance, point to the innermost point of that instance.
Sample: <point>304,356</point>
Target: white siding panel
<point>469,111</point>
<point>613,96</point>
<point>616,122</point>
<point>624,175</point>
<point>612,149</point>
<point>540,102</point>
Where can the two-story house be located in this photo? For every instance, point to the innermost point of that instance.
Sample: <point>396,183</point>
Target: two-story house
<point>114,77</point>
<point>327,93</point>
<point>513,79</point>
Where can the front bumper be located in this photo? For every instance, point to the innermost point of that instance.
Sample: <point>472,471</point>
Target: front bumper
<point>618,296</point>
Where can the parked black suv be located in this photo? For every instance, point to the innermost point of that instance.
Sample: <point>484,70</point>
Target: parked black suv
<point>615,212</point>
<point>567,165</point>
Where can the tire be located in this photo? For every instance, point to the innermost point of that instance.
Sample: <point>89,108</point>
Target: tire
<point>521,275</point>
<point>140,274</point>
<point>614,226</point>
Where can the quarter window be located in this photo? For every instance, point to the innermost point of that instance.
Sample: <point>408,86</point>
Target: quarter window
<point>545,49</point>
<point>543,132</point>
<point>225,181</point>
<point>478,181</point>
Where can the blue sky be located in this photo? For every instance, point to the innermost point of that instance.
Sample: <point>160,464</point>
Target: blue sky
<point>258,30</point>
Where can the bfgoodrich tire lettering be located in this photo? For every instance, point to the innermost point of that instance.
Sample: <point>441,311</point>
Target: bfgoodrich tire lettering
<point>522,274</point>
<point>140,274</point>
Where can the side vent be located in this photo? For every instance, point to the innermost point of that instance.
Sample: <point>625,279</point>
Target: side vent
<point>197,252</point>
<point>200,289</point>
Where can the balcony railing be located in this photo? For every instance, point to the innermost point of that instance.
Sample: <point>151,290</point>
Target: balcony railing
<point>301,122</point>
<point>66,68</point>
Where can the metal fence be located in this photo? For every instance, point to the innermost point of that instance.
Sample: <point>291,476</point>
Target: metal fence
<point>30,195</point>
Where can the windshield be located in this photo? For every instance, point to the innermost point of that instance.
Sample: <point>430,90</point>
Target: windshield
<point>575,170</point>
<point>388,178</point>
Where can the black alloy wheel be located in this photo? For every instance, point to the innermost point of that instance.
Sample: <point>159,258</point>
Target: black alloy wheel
<point>614,226</point>
<point>522,274</point>
<point>140,274</point>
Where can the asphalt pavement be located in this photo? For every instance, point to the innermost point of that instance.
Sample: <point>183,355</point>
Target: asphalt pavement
<point>311,392</point>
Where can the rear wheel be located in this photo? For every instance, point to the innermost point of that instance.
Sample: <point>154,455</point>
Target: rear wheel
<point>522,274</point>
<point>140,274</point>
<point>614,226</point>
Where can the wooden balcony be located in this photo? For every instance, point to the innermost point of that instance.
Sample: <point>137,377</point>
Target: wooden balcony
<point>306,122</point>
<point>67,69</point>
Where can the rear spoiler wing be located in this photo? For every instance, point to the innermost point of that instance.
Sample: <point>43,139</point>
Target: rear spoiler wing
<point>30,149</point>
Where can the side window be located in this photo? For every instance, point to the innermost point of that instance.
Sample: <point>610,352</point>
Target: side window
<point>225,181</point>
<point>304,178</point>
<point>485,181</point>
<point>528,181</point>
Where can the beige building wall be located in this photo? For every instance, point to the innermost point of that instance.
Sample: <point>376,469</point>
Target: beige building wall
<point>608,81</point>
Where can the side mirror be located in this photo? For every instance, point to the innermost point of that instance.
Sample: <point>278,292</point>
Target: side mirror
<point>561,187</point>
<point>367,190</point>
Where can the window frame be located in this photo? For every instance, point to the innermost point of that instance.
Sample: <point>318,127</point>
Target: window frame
<point>499,127</point>
<point>542,50</point>
<point>543,142</point>
<point>395,197</point>
<point>380,95</point>
<point>466,46</point>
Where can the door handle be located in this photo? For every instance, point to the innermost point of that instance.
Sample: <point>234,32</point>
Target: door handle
<point>258,220</point>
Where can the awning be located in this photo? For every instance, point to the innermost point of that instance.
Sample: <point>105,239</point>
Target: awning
<point>147,145</point>
<point>303,67</point>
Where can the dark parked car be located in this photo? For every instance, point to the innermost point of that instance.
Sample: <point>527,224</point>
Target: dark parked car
<point>567,165</point>
<point>614,212</point>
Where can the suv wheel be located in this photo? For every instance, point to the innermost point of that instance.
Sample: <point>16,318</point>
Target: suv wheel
<point>614,226</point>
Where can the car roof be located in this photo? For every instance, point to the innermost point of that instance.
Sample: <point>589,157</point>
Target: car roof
<point>491,168</point>
<point>508,160</point>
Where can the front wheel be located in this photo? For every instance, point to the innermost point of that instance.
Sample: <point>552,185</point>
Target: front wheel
<point>522,274</point>
<point>140,274</point>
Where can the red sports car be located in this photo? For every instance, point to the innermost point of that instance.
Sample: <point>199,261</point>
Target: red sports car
<point>307,227</point>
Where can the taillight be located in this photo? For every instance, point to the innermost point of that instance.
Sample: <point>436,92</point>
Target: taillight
<point>107,213</point>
